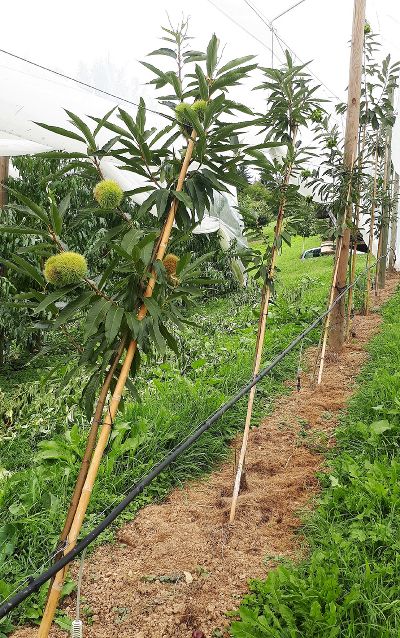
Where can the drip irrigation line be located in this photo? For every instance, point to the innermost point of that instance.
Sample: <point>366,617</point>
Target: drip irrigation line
<point>15,600</point>
<point>85,84</point>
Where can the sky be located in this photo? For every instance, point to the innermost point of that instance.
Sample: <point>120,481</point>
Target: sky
<point>102,42</point>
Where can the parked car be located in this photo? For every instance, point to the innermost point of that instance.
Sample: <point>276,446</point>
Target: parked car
<point>311,252</point>
<point>317,252</point>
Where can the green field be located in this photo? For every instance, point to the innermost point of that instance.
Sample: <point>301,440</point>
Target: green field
<point>349,586</point>
<point>43,430</point>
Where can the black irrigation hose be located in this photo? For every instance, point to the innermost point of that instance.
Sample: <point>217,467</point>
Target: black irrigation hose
<point>36,583</point>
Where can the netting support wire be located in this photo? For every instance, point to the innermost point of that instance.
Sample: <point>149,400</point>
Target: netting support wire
<point>35,584</point>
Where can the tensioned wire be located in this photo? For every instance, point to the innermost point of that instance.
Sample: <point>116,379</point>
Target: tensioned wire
<point>12,601</point>
<point>85,84</point>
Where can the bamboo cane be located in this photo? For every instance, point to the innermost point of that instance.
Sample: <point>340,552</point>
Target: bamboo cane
<point>102,442</point>
<point>371,231</point>
<point>265,299</point>
<point>91,442</point>
<point>327,321</point>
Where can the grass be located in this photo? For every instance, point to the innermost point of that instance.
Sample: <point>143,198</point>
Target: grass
<point>349,585</point>
<point>44,431</point>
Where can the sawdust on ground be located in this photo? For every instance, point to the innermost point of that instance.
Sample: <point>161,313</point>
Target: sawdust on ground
<point>127,586</point>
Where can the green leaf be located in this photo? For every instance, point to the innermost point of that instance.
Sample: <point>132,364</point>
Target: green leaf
<point>378,427</point>
<point>131,238</point>
<point>236,62</point>
<point>22,230</point>
<point>164,51</point>
<point>83,128</point>
<point>141,116</point>
<point>203,86</point>
<point>94,317</point>
<point>152,306</point>
<point>30,270</point>
<point>113,322</point>
<point>62,131</point>
<point>35,208</point>
<point>53,297</point>
<point>184,198</point>
<point>70,309</point>
<point>159,339</point>
<point>212,53</point>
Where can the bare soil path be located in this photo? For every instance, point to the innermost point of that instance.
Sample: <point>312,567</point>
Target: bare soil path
<point>127,586</point>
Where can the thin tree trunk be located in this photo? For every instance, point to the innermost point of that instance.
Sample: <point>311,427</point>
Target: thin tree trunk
<point>265,299</point>
<point>77,522</point>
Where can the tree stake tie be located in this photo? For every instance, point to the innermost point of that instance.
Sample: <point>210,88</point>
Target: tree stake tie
<point>77,624</point>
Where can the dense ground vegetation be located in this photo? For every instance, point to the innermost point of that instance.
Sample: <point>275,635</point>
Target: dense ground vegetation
<point>43,431</point>
<point>348,586</point>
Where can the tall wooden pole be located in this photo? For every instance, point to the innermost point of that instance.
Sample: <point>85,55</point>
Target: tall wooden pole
<point>338,315</point>
<point>394,224</point>
<point>387,183</point>
<point>4,167</point>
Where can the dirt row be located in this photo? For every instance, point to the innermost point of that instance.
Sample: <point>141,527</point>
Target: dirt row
<point>179,566</point>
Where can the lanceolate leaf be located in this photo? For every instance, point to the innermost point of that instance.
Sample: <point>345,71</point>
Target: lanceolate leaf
<point>72,308</point>
<point>212,55</point>
<point>62,131</point>
<point>95,315</point>
<point>113,322</point>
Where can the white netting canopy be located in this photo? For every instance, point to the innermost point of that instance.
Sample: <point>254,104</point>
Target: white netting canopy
<point>32,94</point>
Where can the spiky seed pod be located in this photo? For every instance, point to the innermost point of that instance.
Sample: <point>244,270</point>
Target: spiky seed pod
<point>65,268</point>
<point>332,142</point>
<point>199,108</point>
<point>108,194</point>
<point>317,115</point>
<point>367,28</point>
<point>170,262</point>
<point>180,112</point>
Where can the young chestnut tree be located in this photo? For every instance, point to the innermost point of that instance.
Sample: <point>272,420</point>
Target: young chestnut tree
<point>291,101</point>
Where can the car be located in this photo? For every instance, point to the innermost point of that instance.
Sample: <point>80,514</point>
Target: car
<point>311,252</point>
<point>317,252</point>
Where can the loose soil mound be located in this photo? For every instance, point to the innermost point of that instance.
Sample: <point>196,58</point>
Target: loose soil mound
<point>179,566</point>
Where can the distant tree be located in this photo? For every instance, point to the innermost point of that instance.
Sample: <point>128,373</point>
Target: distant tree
<point>255,205</point>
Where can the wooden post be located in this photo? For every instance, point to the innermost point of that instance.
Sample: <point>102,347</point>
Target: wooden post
<point>102,442</point>
<point>338,316</point>
<point>394,223</point>
<point>387,172</point>
<point>4,168</point>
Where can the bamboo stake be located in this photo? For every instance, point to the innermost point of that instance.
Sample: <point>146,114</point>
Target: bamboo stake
<point>102,442</point>
<point>371,231</point>
<point>327,320</point>
<point>90,444</point>
<point>265,299</point>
